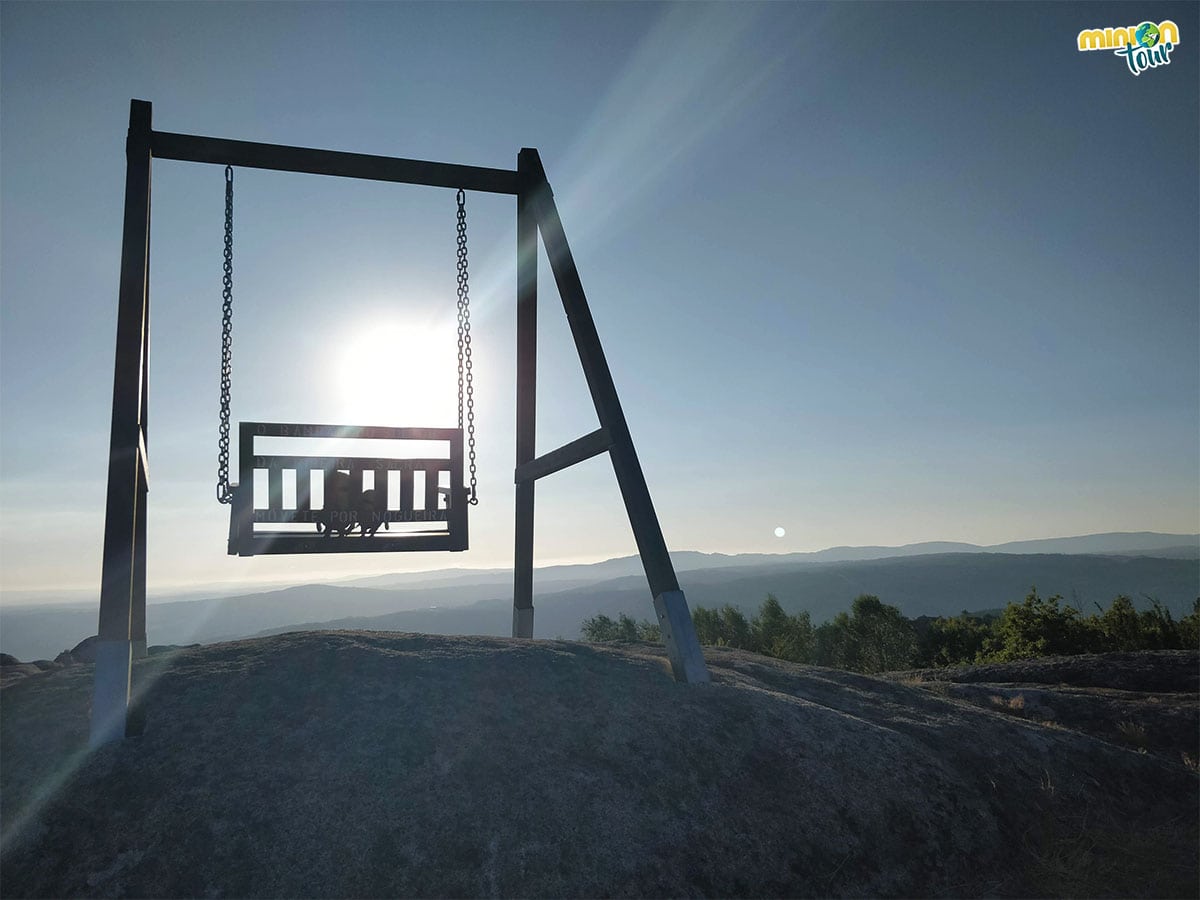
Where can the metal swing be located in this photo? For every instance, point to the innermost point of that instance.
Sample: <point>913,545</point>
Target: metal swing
<point>290,501</point>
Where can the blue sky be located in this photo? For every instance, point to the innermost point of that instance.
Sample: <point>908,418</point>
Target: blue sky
<point>876,274</point>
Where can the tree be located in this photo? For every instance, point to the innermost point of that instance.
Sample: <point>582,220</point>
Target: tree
<point>601,628</point>
<point>886,639</point>
<point>953,641</point>
<point>775,633</point>
<point>771,631</point>
<point>707,624</point>
<point>726,627</point>
<point>1159,629</point>
<point>834,644</point>
<point>768,625</point>
<point>1189,628</point>
<point>1038,627</point>
<point>873,637</point>
<point>648,631</point>
<point>1119,627</point>
<point>735,630</point>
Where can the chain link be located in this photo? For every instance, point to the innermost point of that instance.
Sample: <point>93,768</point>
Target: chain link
<point>466,385</point>
<point>224,492</point>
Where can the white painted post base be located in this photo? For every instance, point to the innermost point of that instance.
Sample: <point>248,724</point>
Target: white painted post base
<point>523,623</point>
<point>110,696</point>
<point>139,649</point>
<point>679,634</point>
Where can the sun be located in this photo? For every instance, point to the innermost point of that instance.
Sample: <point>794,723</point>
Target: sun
<point>399,374</point>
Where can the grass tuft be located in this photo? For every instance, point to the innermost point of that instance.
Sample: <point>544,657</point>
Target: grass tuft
<point>1134,734</point>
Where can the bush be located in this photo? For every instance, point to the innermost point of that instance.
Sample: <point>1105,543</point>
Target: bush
<point>1189,628</point>
<point>1039,627</point>
<point>874,637</point>
<point>953,641</point>
<point>777,634</point>
<point>726,627</point>
<point>1119,627</point>
<point>771,632</point>
<point>601,628</point>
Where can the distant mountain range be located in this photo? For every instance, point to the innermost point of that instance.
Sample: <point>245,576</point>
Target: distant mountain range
<point>935,578</point>
<point>1139,543</point>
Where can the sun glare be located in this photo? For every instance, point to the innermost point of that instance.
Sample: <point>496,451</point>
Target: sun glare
<point>389,373</point>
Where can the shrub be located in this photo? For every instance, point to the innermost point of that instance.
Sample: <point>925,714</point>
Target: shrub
<point>601,628</point>
<point>777,634</point>
<point>1189,628</point>
<point>1038,627</point>
<point>953,641</point>
<point>726,627</point>
<point>873,637</point>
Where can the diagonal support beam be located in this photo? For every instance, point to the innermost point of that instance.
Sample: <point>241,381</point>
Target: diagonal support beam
<point>577,451</point>
<point>687,661</point>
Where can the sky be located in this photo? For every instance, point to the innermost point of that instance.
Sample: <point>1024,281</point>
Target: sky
<point>866,273</point>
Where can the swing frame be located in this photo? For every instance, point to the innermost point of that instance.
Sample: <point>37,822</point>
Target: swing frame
<point>122,620</point>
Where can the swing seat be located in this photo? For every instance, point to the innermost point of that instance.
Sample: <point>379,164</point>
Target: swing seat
<point>366,501</point>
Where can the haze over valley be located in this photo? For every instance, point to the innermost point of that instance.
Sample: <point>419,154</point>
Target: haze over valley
<point>937,578</point>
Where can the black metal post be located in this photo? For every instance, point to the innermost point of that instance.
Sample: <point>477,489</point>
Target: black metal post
<point>527,261</point>
<point>123,577</point>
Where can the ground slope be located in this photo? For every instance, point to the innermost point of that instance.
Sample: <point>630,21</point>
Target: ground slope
<point>379,764</point>
<point>1146,700</point>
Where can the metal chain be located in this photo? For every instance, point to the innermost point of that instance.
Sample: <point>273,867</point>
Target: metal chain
<point>466,386</point>
<point>224,492</point>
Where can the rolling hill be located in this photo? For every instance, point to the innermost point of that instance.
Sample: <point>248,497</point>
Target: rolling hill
<point>944,584</point>
<point>392,765</point>
<point>466,601</point>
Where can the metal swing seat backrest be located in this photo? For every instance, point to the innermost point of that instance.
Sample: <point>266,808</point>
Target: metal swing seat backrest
<point>364,503</point>
<point>361,495</point>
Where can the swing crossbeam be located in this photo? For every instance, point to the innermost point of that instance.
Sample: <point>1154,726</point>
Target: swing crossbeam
<point>278,157</point>
<point>433,517</point>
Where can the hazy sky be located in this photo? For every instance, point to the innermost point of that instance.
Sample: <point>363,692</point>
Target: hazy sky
<point>875,274</point>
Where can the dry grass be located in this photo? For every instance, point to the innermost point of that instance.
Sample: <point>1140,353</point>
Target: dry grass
<point>1009,704</point>
<point>1088,852</point>
<point>1134,734</point>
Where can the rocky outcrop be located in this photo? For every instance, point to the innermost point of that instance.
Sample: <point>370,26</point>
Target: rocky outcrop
<point>1158,671</point>
<point>376,764</point>
<point>82,653</point>
<point>13,670</point>
<point>1142,701</point>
